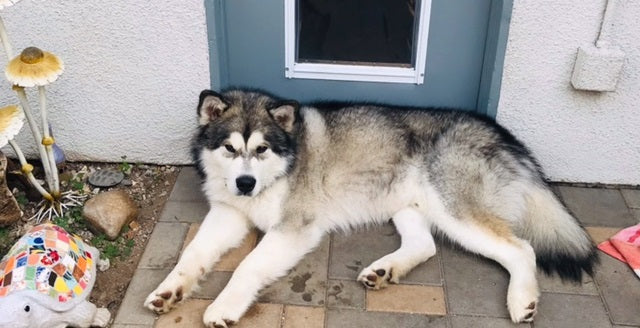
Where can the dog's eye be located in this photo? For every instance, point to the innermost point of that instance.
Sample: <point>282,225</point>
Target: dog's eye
<point>261,149</point>
<point>27,308</point>
<point>230,148</point>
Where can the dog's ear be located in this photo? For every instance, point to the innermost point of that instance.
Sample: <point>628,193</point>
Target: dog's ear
<point>285,113</point>
<point>210,106</point>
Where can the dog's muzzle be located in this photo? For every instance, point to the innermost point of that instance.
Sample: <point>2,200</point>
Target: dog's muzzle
<point>245,184</point>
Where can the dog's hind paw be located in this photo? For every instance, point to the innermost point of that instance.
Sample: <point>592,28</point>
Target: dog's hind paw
<point>161,300</point>
<point>377,276</point>
<point>522,309</point>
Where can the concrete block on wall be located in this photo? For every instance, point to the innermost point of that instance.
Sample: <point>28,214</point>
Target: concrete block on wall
<point>597,69</point>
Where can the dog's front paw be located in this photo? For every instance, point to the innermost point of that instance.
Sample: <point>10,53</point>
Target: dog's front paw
<point>219,316</point>
<point>163,298</point>
<point>378,275</point>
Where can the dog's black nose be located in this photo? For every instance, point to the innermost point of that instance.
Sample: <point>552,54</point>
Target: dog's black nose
<point>245,183</point>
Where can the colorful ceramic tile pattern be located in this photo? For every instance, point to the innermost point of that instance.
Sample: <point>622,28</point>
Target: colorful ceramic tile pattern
<point>49,260</point>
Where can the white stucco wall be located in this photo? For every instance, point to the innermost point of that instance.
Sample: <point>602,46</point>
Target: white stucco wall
<point>133,72</point>
<point>576,135</point>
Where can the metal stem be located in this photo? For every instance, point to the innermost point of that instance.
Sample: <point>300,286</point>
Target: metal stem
<point>49,148</point>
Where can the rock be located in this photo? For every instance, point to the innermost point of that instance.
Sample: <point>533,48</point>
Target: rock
<point>10,211</point>
<point>106,178</point>
<point>104,265</point>
<point>109,211</point>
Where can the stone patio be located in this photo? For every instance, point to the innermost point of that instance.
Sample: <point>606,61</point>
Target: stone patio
<point>453,289</point>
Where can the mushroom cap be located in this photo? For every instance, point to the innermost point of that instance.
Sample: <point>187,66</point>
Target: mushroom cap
<point>11,121</point>
<point>34,67</point>
<point>7,3</point>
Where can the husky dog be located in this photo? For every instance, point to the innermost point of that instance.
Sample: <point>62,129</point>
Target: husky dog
<point>298,173</point>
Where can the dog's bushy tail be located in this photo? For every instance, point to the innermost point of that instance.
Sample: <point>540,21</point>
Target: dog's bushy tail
<point>561,244</point>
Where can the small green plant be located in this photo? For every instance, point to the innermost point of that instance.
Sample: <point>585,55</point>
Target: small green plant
<point>72,220</point>
<point>120,248</point>
<point>21,198</point>
<point>6,240</point>
<point>124,166</point>
<point>77,182</point>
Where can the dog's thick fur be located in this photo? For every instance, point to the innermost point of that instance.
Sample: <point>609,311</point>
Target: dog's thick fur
<point>297,173</point>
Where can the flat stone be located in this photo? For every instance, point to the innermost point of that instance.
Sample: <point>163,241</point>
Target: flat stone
<point>620,289</point>
<point>600,234</point>
<point>305,284</point>
<point>189,315</point>
<point>598,206</point>
<point>184,211</point>
<point>632,197</point>
<point>571,311</point>
<point>132,310</point>
<point>303,317</point>
<point>346,294</point>
<point>188,186</point>
<point>185,315</point>
<point>341,318</point>
<point>555,284</point>
<point>474,285</point>
<point>230,260</point>
<point>164,245</point>
<point>109,211</point>
<point>407,299</point>
<point>212,285</point>
<point>10,211</point>
<point>350,253</point>
<point>105,178</point>
<point>261,315</point>
<point>475,322</point>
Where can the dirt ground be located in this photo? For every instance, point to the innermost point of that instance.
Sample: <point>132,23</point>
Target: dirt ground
<point>148,185</point>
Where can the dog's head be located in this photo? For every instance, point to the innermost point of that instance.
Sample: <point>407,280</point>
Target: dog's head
<point>245,139</point>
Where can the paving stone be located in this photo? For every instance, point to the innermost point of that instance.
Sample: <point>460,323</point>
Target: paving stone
<point>407,299</point>
<point>620,289</point>
<point>600,234</point>
<point>212,285</point>
<point>191,233</point>
<point>120,325</point>
<point>305,284</point>
<point>341,318</point>
<point>353,252</point>
<point>187,315</point>
<point>184,211</point>
<point>636,213</point>
<point>187,187</point>
<point>190,315</point>
<point>621,326</point>
<point>632,197</point>
<point>131,310</point>
<point>598,207</point>
<point>345,294</point>
<point>303,316</point>
<point>475,322</point>
<point>555,284</point>
<point>571,311</point>
<point>164,245</point>
<point>262,315</point>
<point>230,260</point>
<point>474,285</point>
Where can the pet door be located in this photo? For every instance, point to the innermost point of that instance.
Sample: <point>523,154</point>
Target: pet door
<point>357,40</point>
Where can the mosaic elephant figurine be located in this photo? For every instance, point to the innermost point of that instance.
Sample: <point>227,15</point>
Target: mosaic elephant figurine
<point>46,279</point>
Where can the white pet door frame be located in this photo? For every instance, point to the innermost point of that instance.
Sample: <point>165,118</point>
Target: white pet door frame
<point>412,72</point>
